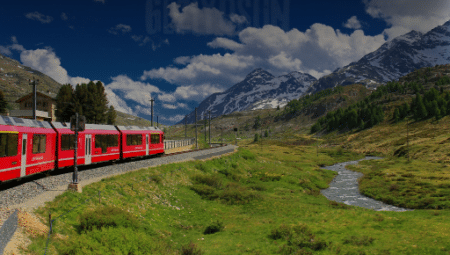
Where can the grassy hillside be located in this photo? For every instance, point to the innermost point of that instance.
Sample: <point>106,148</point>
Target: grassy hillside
<point>256,201</point>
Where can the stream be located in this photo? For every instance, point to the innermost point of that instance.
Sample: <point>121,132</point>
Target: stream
<point>344,189</point>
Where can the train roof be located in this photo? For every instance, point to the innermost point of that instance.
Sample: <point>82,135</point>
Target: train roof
<point>136,128</point>
<point>13,121</point>
<point>66,125</point>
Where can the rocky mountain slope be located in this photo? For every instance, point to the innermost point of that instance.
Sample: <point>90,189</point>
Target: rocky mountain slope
<point>393,60</point>
<point>259,90</point>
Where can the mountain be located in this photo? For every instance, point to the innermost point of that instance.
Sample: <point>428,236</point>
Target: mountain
<point>258,90</point>
<point>14,80</point>
<point>393,59</point>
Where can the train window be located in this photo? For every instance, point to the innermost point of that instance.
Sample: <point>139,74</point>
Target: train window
<point>67,142</point>
<point>134,139</point>
<point>105,141</point>
<point>39,142</point>
<point>8,144</point>
<point>154,138</point>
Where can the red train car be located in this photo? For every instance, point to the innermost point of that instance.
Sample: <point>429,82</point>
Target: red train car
<point>65,145</point>
<point>141,141</point>
<point>101,143</point>
<point>26,147</point>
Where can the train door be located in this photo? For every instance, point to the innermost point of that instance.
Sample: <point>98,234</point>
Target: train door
<point>146,144</point>
<point>23,167</point>
<point>88,149</point>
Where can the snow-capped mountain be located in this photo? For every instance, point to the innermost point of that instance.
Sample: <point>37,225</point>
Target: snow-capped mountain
<point>258,90</point>
<point>393,59</point>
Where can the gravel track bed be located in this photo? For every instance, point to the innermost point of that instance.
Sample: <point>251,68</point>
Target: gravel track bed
<point>11,198</point>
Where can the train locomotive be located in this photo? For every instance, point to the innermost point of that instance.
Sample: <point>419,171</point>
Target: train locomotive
<point>29,146</point>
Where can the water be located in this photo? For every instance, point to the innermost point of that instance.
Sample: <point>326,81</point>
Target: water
<point>344,189</point>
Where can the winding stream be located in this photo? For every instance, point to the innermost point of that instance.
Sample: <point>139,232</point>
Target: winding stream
<point>344,189</point>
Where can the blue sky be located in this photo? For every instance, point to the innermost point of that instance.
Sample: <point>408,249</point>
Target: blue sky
<point>180,52</point>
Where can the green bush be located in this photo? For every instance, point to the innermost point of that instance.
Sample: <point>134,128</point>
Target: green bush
<point>211,180</point>
<point>246,154</point>
<point>256,138</point>
<point>110,240</point>
<point>214,228</point>
<point>204,191</point>
<point>190,249</point>
<point>107,217</point>
<point>236,194</point>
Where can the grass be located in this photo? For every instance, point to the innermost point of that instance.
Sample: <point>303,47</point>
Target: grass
<point>260,200</point>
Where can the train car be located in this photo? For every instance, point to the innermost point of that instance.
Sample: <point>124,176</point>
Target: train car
<point>141,141</point>
<point>26,147</point>
<point>65,145</point>
<point>101,143</point>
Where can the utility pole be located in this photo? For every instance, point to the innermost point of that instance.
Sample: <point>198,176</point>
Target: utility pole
<point>76,126</point>
<point>210,128</point>
<point>196,142</point>
<point>185,127</point>
<point>34,83</point>
<point>407,136</point>
<point>152,100</point>
<point>204,117</point>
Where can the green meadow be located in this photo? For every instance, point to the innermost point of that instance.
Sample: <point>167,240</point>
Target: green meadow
<point>259,200</point>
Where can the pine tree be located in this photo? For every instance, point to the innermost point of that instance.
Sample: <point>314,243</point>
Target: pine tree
<point>111,116</point>
<point>64,100</point>
<point>3,103</point>
<point>396,115</point>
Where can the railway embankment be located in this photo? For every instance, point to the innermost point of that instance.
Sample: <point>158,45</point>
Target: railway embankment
<point>35,193</point>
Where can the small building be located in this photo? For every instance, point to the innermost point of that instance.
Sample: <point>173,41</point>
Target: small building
<point>45,107</point>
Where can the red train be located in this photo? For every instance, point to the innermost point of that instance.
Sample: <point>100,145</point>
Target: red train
<point>29,146</point>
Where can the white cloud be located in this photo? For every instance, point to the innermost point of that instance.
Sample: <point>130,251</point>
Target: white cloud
<point>197,93</point>
<point>39,16</point>
<point>225,43</point>
<point>353,23</point>
<point>167,98</point>
<point>238,19</point>
<point>202,21</point>
<point>406,15</point>
<point>175,106</point>
<point>316,51</point>
<point>64,16</point>
<point>175,118</point>
<point>136,91</point>
<point>118,103</point>
<point>119,28</point>
<point>282,61</point>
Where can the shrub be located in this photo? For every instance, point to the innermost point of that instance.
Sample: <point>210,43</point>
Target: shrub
<point>256,138</point>
<point>190,249</point>
<point>107,217</point>
<point>247,155</point>
<point>359,240</point>
<point>214,228</point>
<point>204,191</point>
<point>211,180</point>
<point>236,194</point>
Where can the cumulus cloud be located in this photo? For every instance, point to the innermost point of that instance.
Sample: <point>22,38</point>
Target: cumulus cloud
<point>175,106</point>
<point>6,50</point>
<point>118,103</point>
<point>64,16</point>
<point>39,17</point>
<point>405,15</point>
<point>315,51</point>
<point>202,21</point>
<point>136,91</point>
<point>143,40</point>
<point>119,28</point>
<point>175,118</point>
<point>353,23</point>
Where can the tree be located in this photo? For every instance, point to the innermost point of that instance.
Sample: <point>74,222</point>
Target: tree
<point>111,116</point>
<point>3,103</point>
<point>256,137</point>
<point>396,115</point>
<point>257,122</point>
<point>64,99</point>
